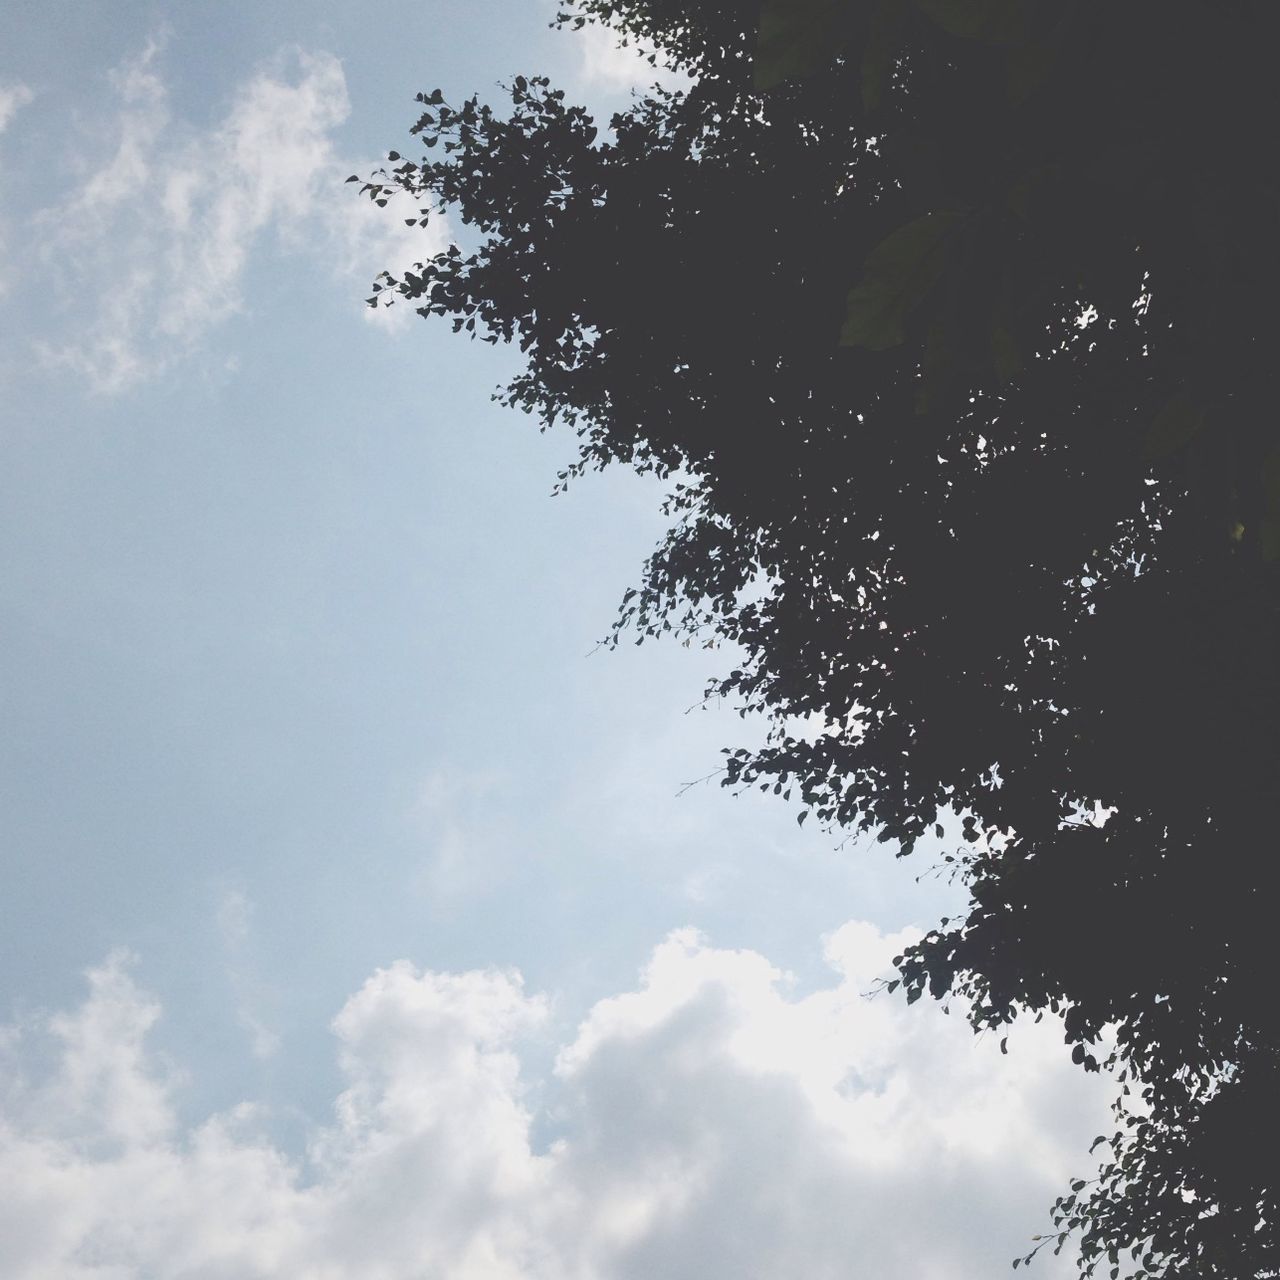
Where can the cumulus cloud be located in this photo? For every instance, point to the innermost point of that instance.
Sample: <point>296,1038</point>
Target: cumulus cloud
<point>708,1123</point>
<point>157,239</point>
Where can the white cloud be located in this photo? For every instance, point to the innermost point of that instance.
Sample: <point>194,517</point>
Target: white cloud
<point>366,240</point>
<point>13,97</point>
<point>608,63</point>
<point>710,1124</point>
<point>232,916</point>
<point>105,1090</point>
<point>161,236</point>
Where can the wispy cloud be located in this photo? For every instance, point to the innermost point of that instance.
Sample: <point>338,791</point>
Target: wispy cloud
<point>707,1122</point>
<point>462,855</point>
<point>233,918</point>
<point>13,97</point>
<point>158,240</point>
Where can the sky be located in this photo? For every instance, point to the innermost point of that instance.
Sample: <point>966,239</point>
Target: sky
<point>356,917</point>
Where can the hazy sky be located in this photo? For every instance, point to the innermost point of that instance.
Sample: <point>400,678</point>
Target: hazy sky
<point>352,920</point>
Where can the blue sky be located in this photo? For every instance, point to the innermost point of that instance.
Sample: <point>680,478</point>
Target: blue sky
<point>304,722</point>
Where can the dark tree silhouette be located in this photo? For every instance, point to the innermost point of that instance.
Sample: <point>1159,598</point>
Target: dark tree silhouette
<point>953,325</point>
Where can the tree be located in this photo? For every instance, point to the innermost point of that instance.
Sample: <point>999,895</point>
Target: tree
<point>950,323</point>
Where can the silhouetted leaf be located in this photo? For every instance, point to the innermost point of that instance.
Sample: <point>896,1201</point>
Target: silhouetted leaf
<point>797,36</point>
<point>1004,350</point>
<point>1173,427</point>
<point>899,272</point>
<point>1000,21</point>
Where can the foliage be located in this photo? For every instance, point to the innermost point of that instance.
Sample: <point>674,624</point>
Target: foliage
<point>951,324</point>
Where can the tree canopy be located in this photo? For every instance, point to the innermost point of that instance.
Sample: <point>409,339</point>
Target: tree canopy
<point>951,324</point>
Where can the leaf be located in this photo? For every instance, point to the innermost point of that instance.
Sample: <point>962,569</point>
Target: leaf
<point>899,272</point>
<point>937,364</point>
<point>1029,66</point>
<point>881,51</point>
<point>996,21</point>
<point>1269,536</point>
<point>1005,353</point>
<point>796,37</point>
<point>1271,476</point>
<point>1173,427</point>
<point>1034,189</point>
<point>1269,528</point>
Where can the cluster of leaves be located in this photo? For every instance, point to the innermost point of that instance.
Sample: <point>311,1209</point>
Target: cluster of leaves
<point>950,322</point>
